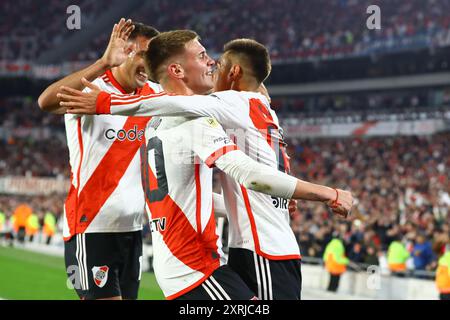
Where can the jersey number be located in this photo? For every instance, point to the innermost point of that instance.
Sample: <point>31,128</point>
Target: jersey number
<point>162,190</point>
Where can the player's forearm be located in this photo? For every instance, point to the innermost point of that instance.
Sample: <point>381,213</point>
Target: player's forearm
<point>313,192</point>
<point>132,105</point>
<point>48,101</point>
<point>256,176</point>
<point>159,104</point>
<point>262,178</point>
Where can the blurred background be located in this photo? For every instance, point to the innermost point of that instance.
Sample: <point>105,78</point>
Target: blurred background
<point>362,109</point>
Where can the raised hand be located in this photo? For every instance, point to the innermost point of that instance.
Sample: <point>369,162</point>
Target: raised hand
<point>118,48</point>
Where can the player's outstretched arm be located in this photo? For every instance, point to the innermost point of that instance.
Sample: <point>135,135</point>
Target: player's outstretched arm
<point>115,54</point>
<point>160,104</point>
<point>258,177</point>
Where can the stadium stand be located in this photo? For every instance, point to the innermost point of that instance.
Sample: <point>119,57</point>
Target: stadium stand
<point>324,34</point>
<point>400,183</point>
<point>36,32</point>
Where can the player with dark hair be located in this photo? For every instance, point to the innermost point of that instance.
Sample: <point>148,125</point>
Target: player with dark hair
<point>104,210</point>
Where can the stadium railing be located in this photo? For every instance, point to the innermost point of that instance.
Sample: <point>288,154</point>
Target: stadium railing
<point>363,267</point>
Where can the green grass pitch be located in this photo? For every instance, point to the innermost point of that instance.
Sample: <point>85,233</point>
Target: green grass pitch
<point>26,275</point>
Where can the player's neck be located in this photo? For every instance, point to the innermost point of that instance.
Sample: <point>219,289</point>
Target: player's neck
<point>243,85</point>
<point>177,87</point>
<point>122,80</point>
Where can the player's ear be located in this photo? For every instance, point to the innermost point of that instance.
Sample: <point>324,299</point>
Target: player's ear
<point>175,70</point>
<point>235,73</point>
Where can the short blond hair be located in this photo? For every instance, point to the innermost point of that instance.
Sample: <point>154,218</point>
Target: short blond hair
<point>165,46</point>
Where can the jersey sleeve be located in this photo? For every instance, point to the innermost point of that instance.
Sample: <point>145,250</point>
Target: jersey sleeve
<point>208,139</point>
<point>97,82</point>
<point>226,111</point>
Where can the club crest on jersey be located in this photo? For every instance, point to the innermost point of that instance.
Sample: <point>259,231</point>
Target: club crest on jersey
<point>100,275</point>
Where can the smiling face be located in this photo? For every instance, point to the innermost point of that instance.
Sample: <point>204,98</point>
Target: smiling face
<point>135,65</point>
<point>197,68</point>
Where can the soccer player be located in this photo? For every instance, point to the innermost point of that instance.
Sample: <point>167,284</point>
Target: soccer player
<point>263,249</point>
<point>105,205</point>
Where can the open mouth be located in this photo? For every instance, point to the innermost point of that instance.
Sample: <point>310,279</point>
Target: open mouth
<point>212,71</point>
<point>142,76</point>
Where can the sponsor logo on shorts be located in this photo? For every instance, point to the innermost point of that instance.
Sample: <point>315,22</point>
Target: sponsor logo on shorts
<point>100,275</point>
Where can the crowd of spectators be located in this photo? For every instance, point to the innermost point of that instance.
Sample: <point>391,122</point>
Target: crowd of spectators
<point>33,157</point>
<point>32,143</point>
<point>29,27</point>
<point>294,29</point>
<point>39,204</point>
<point>298,29</point>
<point>401,185</point>
<point>364,102</point>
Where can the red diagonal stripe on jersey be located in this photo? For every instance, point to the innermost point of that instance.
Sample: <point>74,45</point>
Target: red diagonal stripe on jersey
<point>196,250</point>
<point>107,175</point>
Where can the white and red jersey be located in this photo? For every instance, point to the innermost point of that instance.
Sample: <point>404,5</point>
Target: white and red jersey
<point>177,180</point>
<point>106,193</point>
<point>258,222</point>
